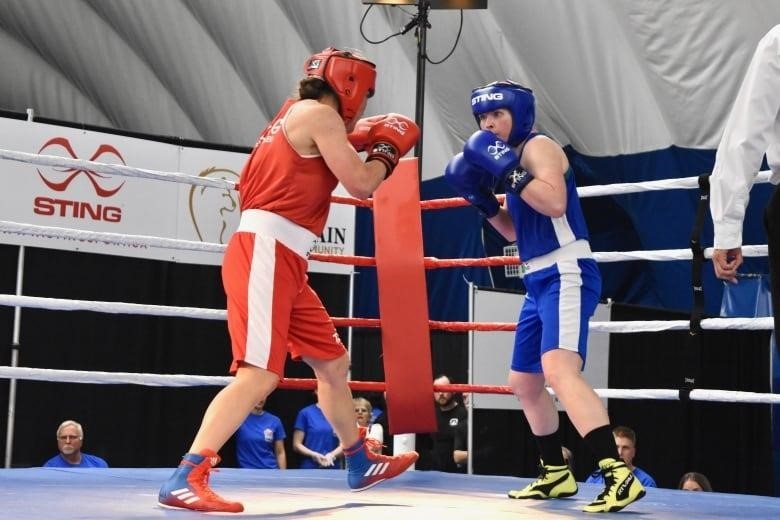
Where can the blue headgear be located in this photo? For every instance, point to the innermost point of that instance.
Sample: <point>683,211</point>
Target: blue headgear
<point>512,96</point>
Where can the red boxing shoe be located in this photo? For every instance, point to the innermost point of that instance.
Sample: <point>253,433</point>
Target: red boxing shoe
<point>367,469</point>
<point>188,487</point>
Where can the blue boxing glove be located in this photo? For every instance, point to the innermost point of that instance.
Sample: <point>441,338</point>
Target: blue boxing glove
<point>473,184</point>
<point>488,152</point>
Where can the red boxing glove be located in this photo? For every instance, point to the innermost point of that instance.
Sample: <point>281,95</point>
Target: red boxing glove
<point>358,137</point>
<point>390,139</point>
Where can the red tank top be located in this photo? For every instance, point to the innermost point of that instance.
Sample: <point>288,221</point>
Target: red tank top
<point>276,178</point>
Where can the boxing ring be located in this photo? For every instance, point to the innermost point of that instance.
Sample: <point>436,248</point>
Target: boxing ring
<point>132,492</point>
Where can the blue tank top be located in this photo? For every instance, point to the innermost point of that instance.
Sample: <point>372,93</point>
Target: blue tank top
<point>538,234</point>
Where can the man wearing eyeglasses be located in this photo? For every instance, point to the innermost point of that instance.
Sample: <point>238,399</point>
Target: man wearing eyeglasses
<point>70,436</point>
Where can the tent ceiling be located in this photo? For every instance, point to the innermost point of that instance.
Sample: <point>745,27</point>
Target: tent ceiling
<point>611,77</point>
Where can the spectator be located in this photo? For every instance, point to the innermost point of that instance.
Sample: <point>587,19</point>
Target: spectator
<point>694,481</point>
<point>625,441</point>
<point>260,440</point>
<point>450,414</point>
<point>315,439</point>
<point>363,412</point>
<point>374,432</point>
<point>70,437</point>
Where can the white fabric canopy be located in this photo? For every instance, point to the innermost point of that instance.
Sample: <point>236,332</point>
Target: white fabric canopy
<point>611,77</point>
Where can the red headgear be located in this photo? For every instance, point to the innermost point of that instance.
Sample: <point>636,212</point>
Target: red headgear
<point>350,76</point>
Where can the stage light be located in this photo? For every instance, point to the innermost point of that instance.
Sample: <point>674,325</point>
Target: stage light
<point>435,4</point>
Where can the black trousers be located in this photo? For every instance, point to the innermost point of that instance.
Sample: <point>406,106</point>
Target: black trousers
<point>772,226</point>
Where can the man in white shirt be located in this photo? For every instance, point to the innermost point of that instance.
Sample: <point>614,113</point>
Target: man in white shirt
<point>752,130</point>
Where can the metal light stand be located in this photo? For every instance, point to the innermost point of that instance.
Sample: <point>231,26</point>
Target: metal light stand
<point>421,25</point>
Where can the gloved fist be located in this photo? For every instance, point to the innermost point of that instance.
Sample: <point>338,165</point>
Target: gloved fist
<point>487,151</point>
<point>358,137</point>
<point>390,139</point>
<point>473,184</point>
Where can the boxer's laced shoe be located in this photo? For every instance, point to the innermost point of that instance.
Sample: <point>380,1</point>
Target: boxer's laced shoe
<point>188,487</point>
<point>553,482</point>
<point>621,488</point>
<point>366,468</point>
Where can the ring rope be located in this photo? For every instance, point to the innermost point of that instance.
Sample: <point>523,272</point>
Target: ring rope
<point>37,302</point>
<point>351,201</point>
<point>186,380</point>
<point>182,380</point>
<point>129,171</point>
<point>362,261</point>
<point>61,304</point>
<point>657,185</point>
<point>135,241</point>
<point>115,169</point>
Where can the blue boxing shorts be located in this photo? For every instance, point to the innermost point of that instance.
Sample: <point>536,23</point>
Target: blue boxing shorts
<point>559,303</point>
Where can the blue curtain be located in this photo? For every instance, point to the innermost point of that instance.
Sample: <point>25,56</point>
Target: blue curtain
<point>641,221</point>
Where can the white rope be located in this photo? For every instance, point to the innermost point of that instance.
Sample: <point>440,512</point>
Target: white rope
<point>180,380</point>
<point>109,238</point>
<point>37,302</point>
<point>617,393</point>
<point>659,185</point>
<point>660,325</point>
<point>115,169</point>
<point>116,378</point>
<point>129,171</point>
<point>191,245</point>
<point>669,254</point>
<point>733,396</point>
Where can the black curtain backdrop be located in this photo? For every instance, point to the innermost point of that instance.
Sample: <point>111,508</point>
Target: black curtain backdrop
<point>730,443</point>
<point>142,426</point>
<point>128,425</point>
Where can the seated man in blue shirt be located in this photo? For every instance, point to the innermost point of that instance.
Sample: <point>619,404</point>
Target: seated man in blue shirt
<point>625,440</point>
<point>70,436</point>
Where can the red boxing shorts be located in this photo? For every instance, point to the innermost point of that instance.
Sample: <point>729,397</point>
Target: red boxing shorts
<point>271,308</point>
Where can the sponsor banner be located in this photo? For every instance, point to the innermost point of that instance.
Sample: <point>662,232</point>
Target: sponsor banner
<point>88,200</point>
<point>84,199</point>
<point>338,237</point>
<point>207,214</point>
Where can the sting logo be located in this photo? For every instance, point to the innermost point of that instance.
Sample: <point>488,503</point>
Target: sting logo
<point>396,124</point>
<point>60,179</point>
<point>489,96</point>
<point>497,150</point>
